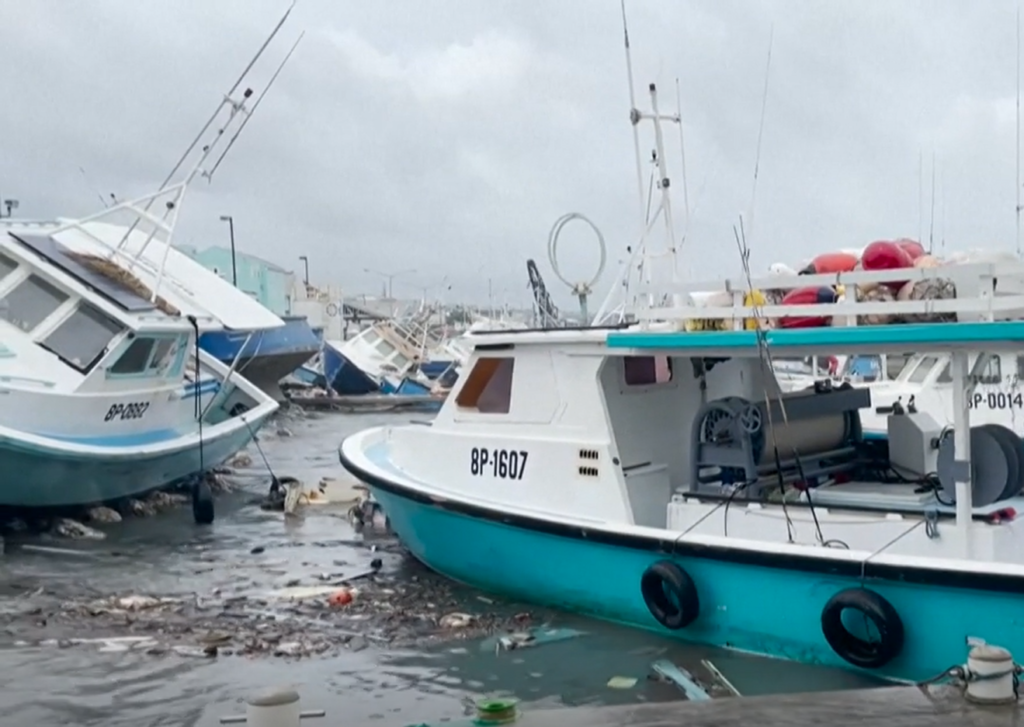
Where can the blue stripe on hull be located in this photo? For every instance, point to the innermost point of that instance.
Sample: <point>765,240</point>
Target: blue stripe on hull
<point>44,478</point>
<point>294,337</point>
<point>764,610</point>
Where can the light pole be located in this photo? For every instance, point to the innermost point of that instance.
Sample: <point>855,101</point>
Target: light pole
<point>305,263</point>
<point>389,277</point>
<point>10,204</point>
<point>231,227</point>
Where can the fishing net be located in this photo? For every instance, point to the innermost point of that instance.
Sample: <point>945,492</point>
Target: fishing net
<point>111,270</point>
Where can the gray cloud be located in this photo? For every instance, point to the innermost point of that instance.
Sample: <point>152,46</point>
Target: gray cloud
<point>448,137</point>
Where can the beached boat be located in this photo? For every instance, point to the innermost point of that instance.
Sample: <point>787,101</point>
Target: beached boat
<point>654,472</point>
<point>601,469</point>
<point>106,394</point>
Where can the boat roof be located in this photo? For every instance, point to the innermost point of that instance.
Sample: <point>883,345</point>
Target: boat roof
<point>987,314</point>
<point>185,283</point>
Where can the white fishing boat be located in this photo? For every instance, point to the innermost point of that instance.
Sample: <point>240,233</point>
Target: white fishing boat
<point>107,392</point>
<point>655,473</point>
<point>598,470</point>
<point>107,395</point>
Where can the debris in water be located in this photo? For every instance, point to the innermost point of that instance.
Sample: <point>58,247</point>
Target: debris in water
<point>74,530</point>
<point>622,682</point>
<point>682,679</point>
<point>456,620</point>
<point>524,639</point>
<point>341,597</point>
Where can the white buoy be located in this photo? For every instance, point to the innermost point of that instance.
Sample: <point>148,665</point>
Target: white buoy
<point>275,708</point>
<point>990,675</point>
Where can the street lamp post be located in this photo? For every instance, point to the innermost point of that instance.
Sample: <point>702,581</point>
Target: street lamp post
<point>389,277</point>
<point>10,204</point>
<point>231,227</point>
<point>305,263</point>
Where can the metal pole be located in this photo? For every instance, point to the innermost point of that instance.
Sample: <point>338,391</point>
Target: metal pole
<point>231,229</point>
<point>305,264</point>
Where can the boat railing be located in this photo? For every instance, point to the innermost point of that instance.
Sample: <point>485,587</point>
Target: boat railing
<point>983,292</point>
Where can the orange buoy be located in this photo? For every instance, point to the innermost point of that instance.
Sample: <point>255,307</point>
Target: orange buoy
<point>831,262</point>
<point>341,597</point>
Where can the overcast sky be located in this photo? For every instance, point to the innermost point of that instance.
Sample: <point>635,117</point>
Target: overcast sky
<point>448,136</point>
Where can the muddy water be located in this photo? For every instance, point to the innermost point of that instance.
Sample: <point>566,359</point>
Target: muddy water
<point>51,679</point>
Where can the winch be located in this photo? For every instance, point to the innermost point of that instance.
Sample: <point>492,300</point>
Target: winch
<point>801,437</point>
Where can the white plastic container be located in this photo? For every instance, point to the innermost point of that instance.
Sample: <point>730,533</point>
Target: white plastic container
<point>992,669</point>
<point>277,708</point>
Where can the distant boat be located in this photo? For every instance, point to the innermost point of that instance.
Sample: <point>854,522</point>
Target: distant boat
<point>265,356</point>
<point>381,359</point>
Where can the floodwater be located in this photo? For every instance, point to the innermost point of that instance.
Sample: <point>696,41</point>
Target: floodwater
<point>167,556</point>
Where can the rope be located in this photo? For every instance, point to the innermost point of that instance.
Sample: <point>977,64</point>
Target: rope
<point>556,230</point>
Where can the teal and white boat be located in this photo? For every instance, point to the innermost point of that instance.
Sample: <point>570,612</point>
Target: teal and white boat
<point>664,479</point>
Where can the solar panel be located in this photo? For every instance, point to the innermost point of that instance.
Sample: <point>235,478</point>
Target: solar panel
<point>115,291</point>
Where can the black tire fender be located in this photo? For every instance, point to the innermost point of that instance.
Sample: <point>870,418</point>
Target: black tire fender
<point>670,594</point>
<point>852,648</point>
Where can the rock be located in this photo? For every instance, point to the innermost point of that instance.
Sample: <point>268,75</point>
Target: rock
<point>357,643</point>
<point>166,500</point>
<point>240,461</point>
<point>138,508</point>
<point>101,514</point>
<point>68,528</point>
<point>283,432</point>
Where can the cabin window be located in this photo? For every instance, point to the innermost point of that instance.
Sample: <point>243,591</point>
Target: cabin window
<point>163,354</point>
<point>946,377</point>
<point>400,361</point>
<point>31,302</point>
<point>1020,368</point>
<point>924,368</point>
<point>83,338</point>
<point>7,266</point>
<point>488,388</point>
<point>895,363</point>
<point>135,358</point>
<point>647,370</point>
<point>992,373</point>
<point>385,348</point>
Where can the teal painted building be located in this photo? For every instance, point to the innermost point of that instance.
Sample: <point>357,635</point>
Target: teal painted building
<point>265,281</point>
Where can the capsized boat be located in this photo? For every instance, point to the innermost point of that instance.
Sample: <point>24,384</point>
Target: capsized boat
<point>661,478</point>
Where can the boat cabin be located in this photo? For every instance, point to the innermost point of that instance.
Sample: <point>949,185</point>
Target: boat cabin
<point>71,325</point>
<point>654,426</point>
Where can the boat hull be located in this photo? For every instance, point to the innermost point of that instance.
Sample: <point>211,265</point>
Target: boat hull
<point>343,376</point>
<point>759,602</point>
<point>266,356</point>
<point>32,476</point>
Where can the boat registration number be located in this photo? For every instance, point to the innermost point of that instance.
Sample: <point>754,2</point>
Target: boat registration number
<point>507,464</point>
<point>996,400</point>
<point>132,410</point>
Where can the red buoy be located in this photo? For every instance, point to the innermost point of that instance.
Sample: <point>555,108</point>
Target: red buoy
<point>913,248</point>
<point>808,296</point>
<point>885,255</point>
